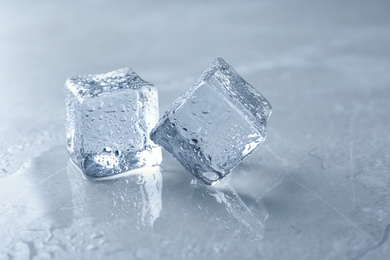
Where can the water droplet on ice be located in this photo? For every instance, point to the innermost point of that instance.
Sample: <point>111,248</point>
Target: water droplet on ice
<point>185,145</point>
<point>91,108</point>
<point>210,176</point>
<point>171,133</point>
<point>107,150</point>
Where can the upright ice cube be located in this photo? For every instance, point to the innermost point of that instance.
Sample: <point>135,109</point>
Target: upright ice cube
<point>215,124</point>
<point>109,119</point>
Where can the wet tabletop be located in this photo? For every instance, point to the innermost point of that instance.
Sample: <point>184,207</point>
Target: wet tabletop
<point>319,187</point>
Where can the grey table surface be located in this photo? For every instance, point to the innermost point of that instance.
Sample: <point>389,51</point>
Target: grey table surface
<point>319,187</point>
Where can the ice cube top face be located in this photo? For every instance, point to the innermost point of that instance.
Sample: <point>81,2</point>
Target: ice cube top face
<point>215,125</point>
<point>109,119</point>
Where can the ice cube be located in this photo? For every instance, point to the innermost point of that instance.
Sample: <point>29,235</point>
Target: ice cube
<point>215,124</point>
<point>109,119</point>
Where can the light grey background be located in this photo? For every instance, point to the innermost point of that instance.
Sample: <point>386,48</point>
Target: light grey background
<point>319,187</point>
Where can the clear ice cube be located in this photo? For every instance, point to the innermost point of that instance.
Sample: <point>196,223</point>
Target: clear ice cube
<point>215,124</point>
<point>109,119</point>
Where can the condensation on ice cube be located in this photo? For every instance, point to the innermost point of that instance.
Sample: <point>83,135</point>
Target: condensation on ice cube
<point>109,119</point>
<point>215,124</point>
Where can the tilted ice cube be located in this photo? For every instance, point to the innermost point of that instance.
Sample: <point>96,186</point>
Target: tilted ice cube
<point>215,124</point>
<point>109,119</point>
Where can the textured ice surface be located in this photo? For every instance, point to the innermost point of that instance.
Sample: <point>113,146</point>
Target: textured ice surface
<point>216,124</point>
<point>109,118</point>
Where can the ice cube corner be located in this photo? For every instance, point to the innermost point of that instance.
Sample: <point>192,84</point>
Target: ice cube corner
<point>108,121</point>
<point>215,125</point>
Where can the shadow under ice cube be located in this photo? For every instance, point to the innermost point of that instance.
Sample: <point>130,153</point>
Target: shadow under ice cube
<point>215,124</point>
<point>109,119</point>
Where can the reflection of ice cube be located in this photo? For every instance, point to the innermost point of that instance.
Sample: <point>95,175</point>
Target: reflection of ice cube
<point>150,185</point>
<point>229,216</point>
<point>237,207</point>
<point>109,118</point>
<point>216,124</point>
<point>135,198</point>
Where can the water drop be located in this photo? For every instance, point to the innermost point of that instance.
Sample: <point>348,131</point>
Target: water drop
<point>185,145</point>
<point>107,150</point>
<point>91,108</point>
<point>196,169</point>
<point>171,132</point>
<point>210,176</point>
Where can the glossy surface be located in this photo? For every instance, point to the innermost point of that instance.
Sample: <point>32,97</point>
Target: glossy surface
<point>108,121</point>
<point>215,125</point>
<point>318,187</point>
